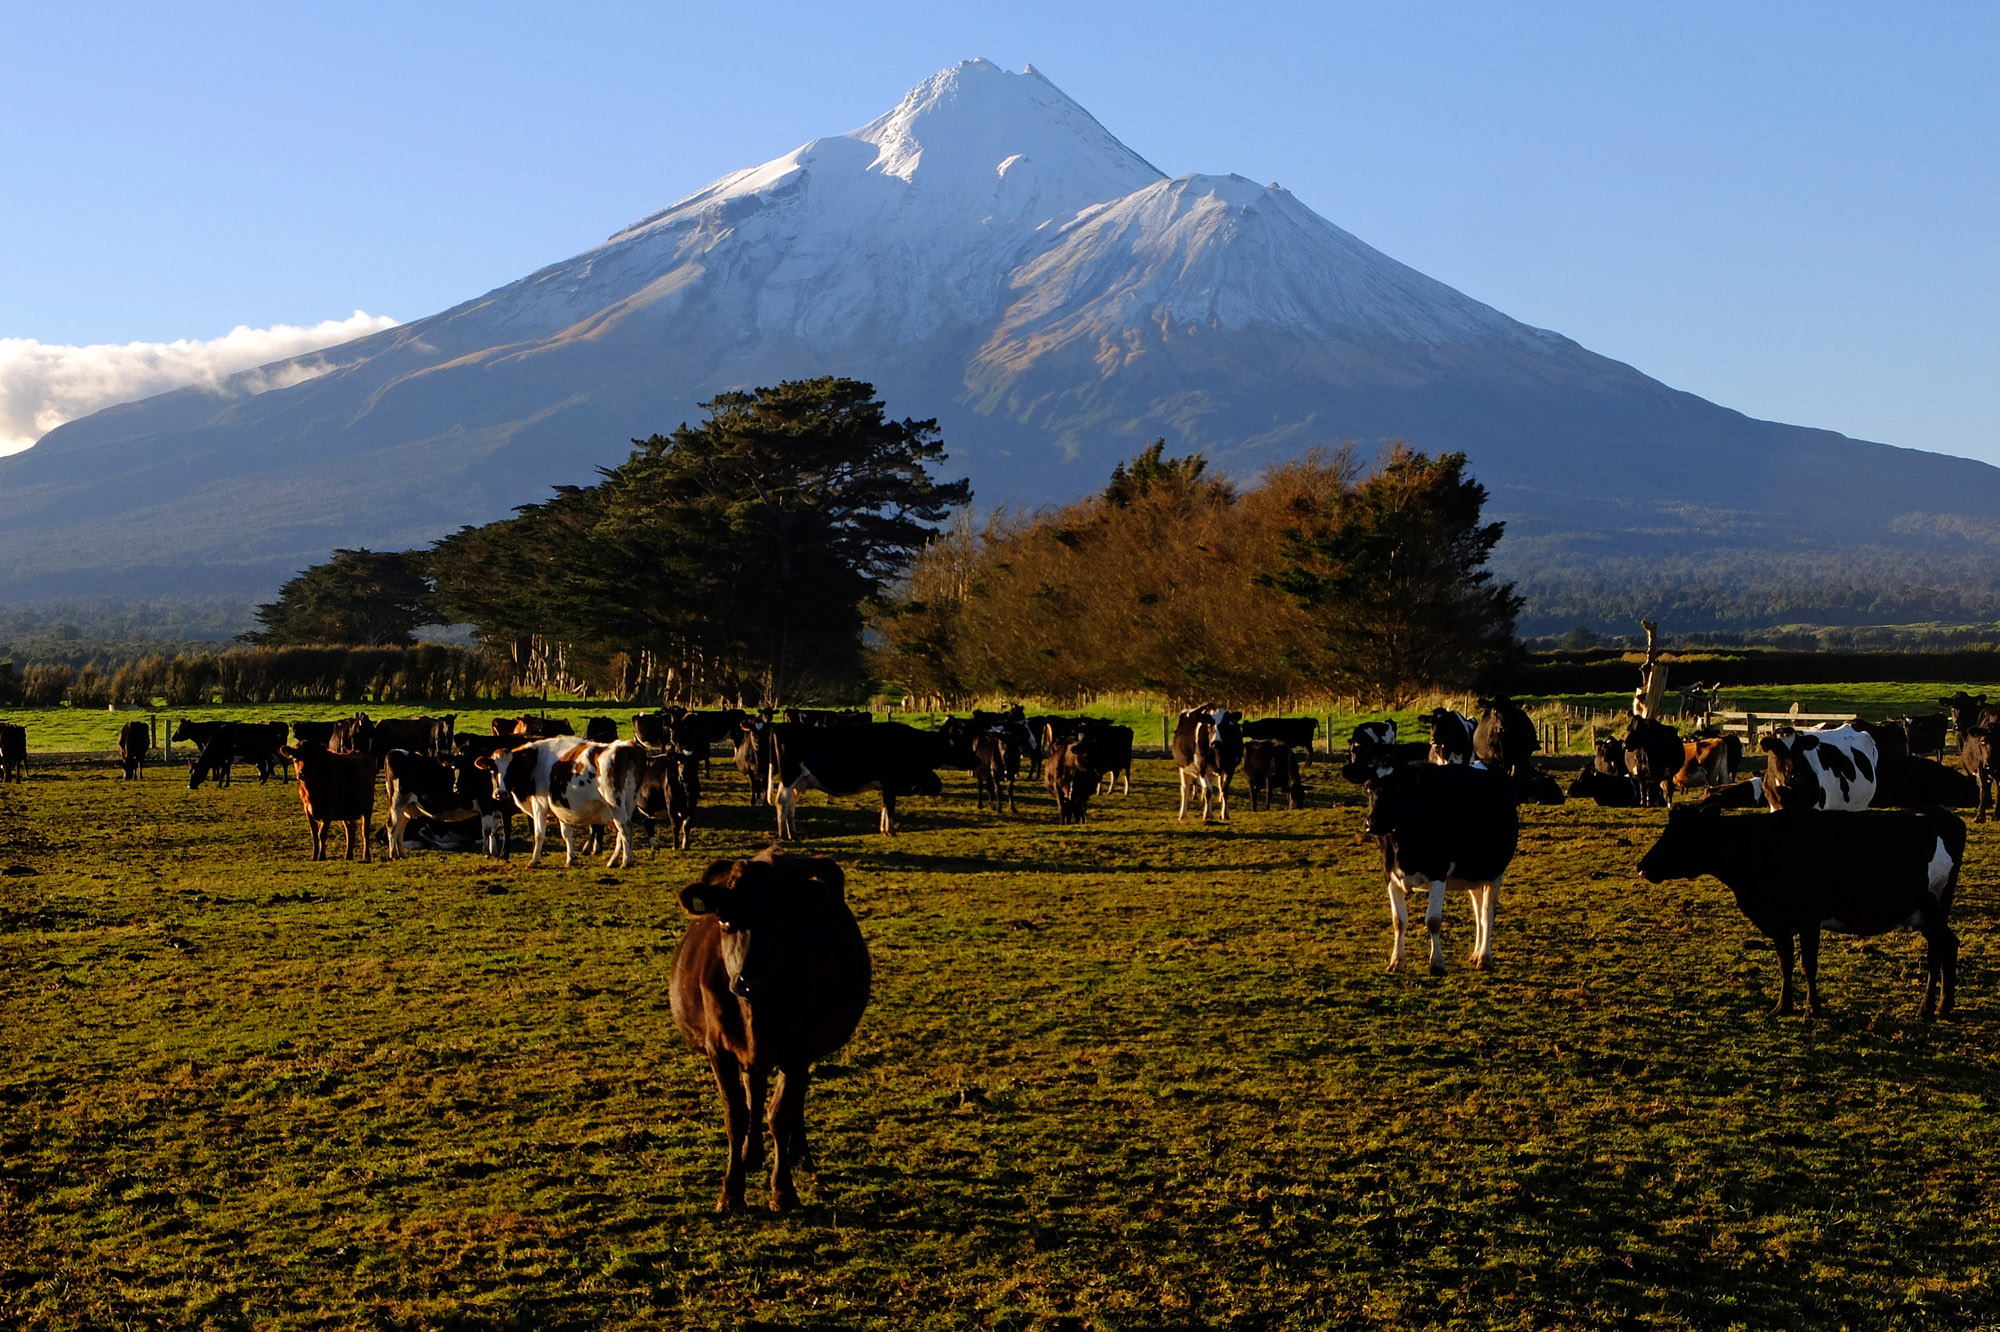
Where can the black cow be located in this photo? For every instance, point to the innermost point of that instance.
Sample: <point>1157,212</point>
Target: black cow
<point>228,743</point>
<point>1110,753</point>
<point>1926,734</point>
<point>13,752</point>
<point>696,732</point>
<point>1905,782</point>
<point>1890,736</point>
<point>1654,753</point>
<point>1532,786</point>
<point>1604,789</point>
<point>1294,732</point>
<point>134,739</point>
<point>1610,759</point>
<point>317,733</point>
<point>600,730</point>
<point>650,728</point>
<point>1974,721</point>
<point>1207,748</point>
<point>1444,826</point>
<point>1374,751</point>
<point>1451,735</point>
<point>1504,738</point>
<point>1796,872</point>
<point>1268,766</point>
<point>828,716</point>
<point>895,759</point>
<point>670,790</point>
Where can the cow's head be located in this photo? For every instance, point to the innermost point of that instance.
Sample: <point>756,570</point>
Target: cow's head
<point>1789,780</point>
<point>771,911</point>
<point>512,770</point>
<point>1684,848</point>
<point>1964,709</point>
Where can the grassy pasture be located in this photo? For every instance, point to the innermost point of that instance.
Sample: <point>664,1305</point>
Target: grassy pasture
<point>1135,1074</point>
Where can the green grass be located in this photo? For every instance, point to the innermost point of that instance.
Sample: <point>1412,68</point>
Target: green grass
<point>1130,1075</point>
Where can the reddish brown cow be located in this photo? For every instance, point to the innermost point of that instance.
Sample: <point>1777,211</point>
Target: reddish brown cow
<point>1708,761</point>
<point>335,788</point>
<point>772,974</point>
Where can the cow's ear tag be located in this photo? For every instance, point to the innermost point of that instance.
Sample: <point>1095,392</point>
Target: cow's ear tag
<point>698,900</point>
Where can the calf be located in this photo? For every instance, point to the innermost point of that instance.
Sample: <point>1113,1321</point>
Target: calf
<point>134,740</point>
<point>1532,786</point>
<point>13,752</point>
<point>335,788</point>
<point>1269,765</point>
<point>771,975</point>
<point>1832,769</point>
<point>1975,722</point>
<point>893,758</point>
<point>1709,761</point>
<point>1442,826</point>
<point>1451,735</point>
<point>1654,753</point>
<point>1207,746</point>
<point>1504,738</point>
<point>752,756</point>
<point>1293,732</point>
<point>1605,790</point>
<point>1071,774</point>
<point>576,783</point>
<point>1796,872</point>
<point>447,791</point>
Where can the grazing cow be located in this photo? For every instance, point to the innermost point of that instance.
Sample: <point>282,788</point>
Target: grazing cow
<point>1504,737</point>
<point>1451,735</point>
<point>1654,753</point>
<point>1208,746</point>
<point>1734,795</point>
<point>1294,732</point>
<point>1974,722</point>
<point>318,733</point>
<point>13,752</point>
<point>600,730</point>
<point>1606,790</point>
<point>1926,734</point>
<point>1796,872</point>
<point>1833,769</point>
<point>1905,782</point>
<point>772,974</point>
<point>670,791</point>
<point>1532,786</point>
<point>227,743</point>
<point>134,740</point>
<point>1709,761</point>
<point>575,782</point>
<point>1269,765</point>
<point>335,788</point>
<point>446,791</point>
<point>896,759</point>
<point>1442,826</point>
<point>1610,758</point>
<point>1071,774</point>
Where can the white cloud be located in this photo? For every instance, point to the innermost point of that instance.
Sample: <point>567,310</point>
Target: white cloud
<point>42,386</point>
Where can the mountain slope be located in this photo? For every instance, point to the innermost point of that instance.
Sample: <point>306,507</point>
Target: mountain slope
<point>986,253</point>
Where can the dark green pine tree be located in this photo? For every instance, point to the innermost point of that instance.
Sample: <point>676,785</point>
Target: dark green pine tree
<point>362,598</point>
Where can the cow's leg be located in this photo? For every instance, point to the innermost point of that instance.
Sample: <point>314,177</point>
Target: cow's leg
<point>1010,796</point>
<point>1222,794</point>
<point>1485,898</point>
<point>787,802</point>
<point>889,811</point>
<point>399,819</point>
<point>1985,793</point>
<point>539,818</point>
<point>1184,794</point>
<point>788,1131</point>
<point>736,1123</point>
<point>319,835</point>
<point>1947,966</point>
<point>621,844</point>
<point>683,834</point>
<point>1399,917</point>
<point>1809,963</point>
<point>1783,943</point>
<point>568,831</point>
<point>1434,922</point>
<point>756,1083</point>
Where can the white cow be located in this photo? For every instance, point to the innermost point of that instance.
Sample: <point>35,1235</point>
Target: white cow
<point>579,783</point>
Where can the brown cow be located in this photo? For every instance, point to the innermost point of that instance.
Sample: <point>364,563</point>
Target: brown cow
<point>1709,761</point>
<point>1071,774</point>
<point>772,974</point>
<point>335,788</point>
<point>134,739</point>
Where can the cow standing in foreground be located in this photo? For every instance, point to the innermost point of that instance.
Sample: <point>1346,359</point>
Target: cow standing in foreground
<point>578,784</point>
<point>335,788</point>
<point>1796,872</point>
<point>1208,745</point>
<point>134,740</point>
<point>772,975</point>
<point>13,752</point>
<point>1444,826</point>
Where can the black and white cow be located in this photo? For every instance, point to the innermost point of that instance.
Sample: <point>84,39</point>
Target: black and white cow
<point>575,782</point>
<point>1926,734</point>
<point>1831,769</point>
<point>1207,746</point>
<point>1444,826</point>
<point>892,758</point>
<point>1795,872</point>
<point>1734,795</point>
<point>1451,735</point>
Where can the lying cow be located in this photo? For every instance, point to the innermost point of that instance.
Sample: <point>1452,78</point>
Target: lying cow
<point>446,791</point>
<point>772,974</point>
<point>134,740</point>
<point>1443,826</point>
<point>1605,790</point>
<point>1906,782</point>
<point>335,788</point>
<point>1830,769</point>
<point>1796,872</point>
<point>576,783</point>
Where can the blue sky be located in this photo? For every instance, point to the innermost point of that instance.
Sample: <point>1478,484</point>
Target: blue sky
<point>1789,209</point>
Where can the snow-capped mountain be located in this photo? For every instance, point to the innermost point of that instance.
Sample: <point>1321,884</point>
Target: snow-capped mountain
<point>986,253</point>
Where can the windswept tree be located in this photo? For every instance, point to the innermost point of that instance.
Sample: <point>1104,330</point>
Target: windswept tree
<point>1395,582</point>
<point>359,598</point>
